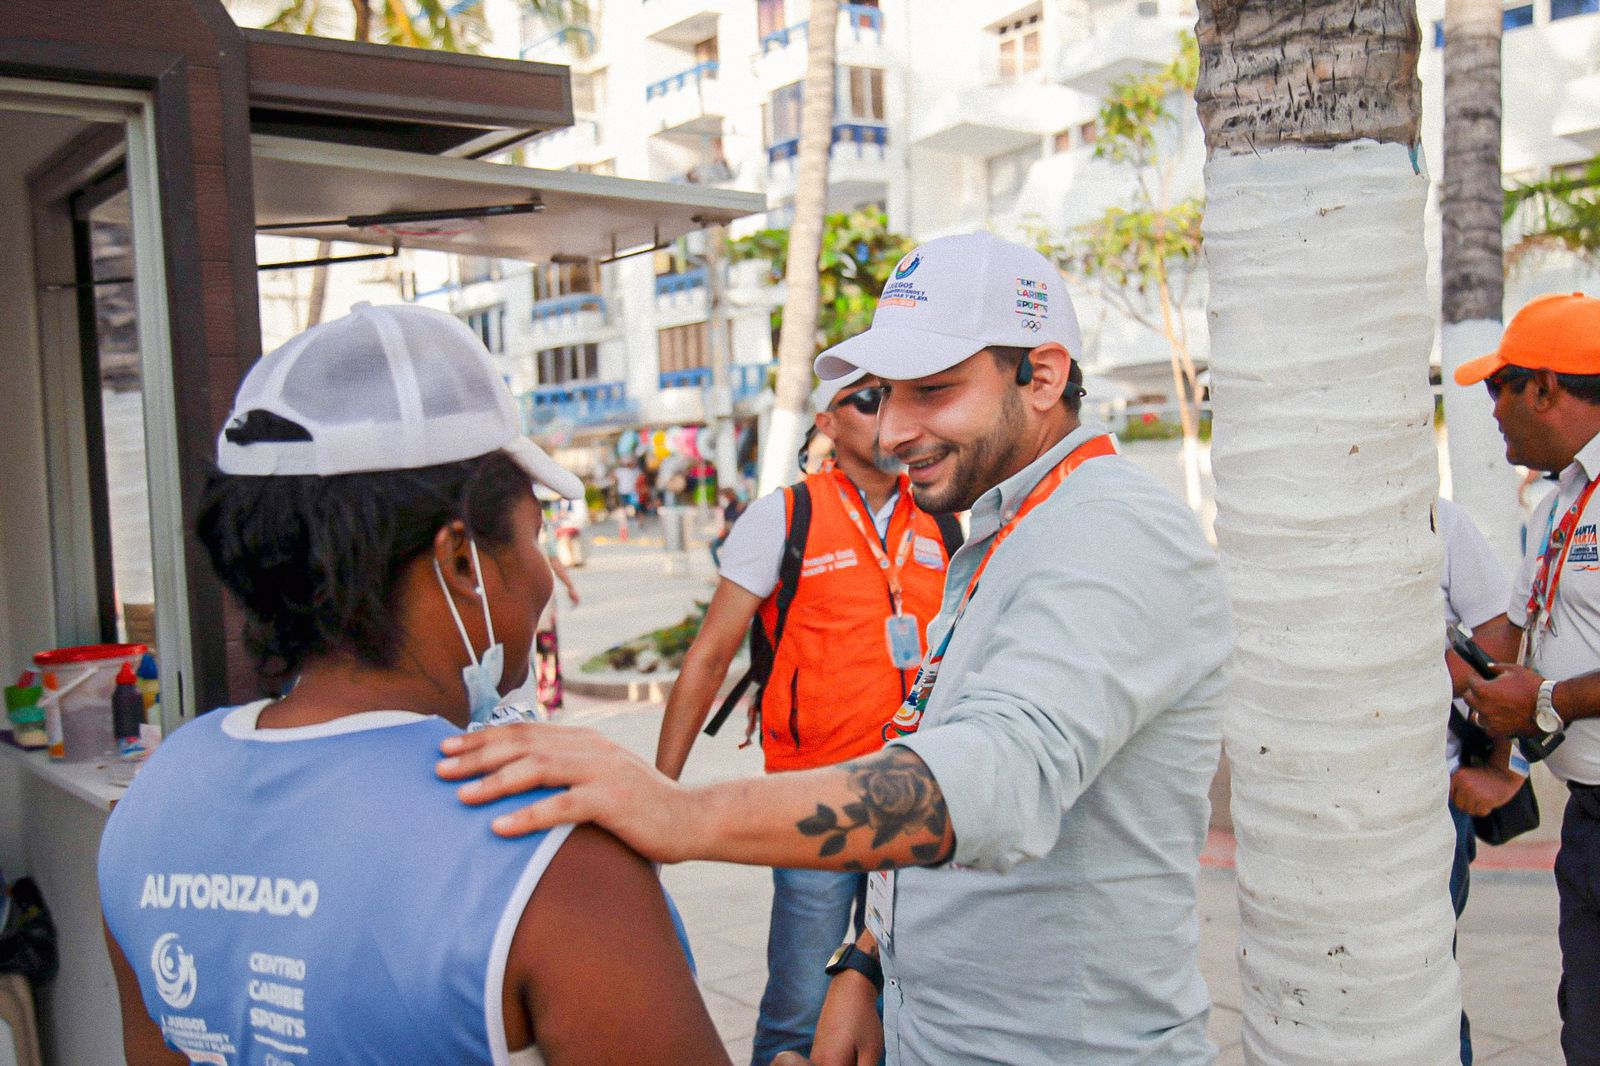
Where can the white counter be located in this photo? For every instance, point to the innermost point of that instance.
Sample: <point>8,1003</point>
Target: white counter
<point>91,782</point>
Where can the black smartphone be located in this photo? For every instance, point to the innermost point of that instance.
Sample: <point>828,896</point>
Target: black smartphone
<point>1474,656</point>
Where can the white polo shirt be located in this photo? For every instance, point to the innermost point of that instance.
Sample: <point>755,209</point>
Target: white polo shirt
<point>1571,646</point>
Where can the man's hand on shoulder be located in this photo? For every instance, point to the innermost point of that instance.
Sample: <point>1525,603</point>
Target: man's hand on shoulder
<point>606,784</point>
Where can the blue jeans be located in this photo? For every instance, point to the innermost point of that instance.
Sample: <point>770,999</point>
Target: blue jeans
<point>1460,876</point>
<point>811,916</point>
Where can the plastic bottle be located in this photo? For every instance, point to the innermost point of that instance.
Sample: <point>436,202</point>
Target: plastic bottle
<point>149,687</point>
<point>127,710</point>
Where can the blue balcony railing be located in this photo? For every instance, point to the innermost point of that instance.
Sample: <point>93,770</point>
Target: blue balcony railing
<point>862,18</point>
<point>781,38</point>
<point>579,39</point>
<point>674,82</point>
<point>851,133</point>
<point>669,284</point>
<point>559,306</point>
<point>580,403</point>
<point>745,380</point>
<point>694,378</point>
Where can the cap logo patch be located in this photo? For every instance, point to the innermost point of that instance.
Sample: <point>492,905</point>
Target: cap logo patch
<point>908,266</point>
<point>1032,302</point>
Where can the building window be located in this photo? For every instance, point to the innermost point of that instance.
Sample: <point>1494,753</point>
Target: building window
<point>706,51</point>
<point>1563,9</point>
<point>1019,47</point>
<point>1515,18</point>
<point>1088,133</point>
<point>567,364</point>
<point>490,326</point>
<point>552,280</point>
<point>1007,173</point>
<point>685,347</point>
<point>1438,33</point>
<point>1063,141</point>
<point>769,17</point>
<point>859,95</point>
<point>783,114</point>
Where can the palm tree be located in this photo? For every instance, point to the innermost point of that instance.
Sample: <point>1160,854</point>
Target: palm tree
<point>1326,477</point>
<point>797,340</point>
<point>1471,203</point>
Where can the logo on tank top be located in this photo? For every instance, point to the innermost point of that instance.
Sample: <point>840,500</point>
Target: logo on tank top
<point>175,973</point>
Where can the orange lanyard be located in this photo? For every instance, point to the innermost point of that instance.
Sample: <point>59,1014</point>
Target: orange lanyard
<point>1542,591</point>
<point>1093,448</point>
<point>891,571</point>
<point>909,715</point>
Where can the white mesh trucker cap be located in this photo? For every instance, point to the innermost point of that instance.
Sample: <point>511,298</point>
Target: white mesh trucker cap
<point>394,387</point>
<point>952,297</point>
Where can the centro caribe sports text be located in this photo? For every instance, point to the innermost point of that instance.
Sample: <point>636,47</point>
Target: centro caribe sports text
<point>247,893</point>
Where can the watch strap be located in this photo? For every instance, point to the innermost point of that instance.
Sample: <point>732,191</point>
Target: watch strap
<point>1545,703</point>
<point>850,957</point>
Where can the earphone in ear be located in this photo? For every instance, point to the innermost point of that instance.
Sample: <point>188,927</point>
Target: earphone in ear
<point>1024,370</point>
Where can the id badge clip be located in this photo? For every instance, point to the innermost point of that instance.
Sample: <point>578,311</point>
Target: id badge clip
<point>905,641</point>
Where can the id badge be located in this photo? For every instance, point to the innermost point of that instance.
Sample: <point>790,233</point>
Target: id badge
<point>905,641</point>
<point>880,905</point>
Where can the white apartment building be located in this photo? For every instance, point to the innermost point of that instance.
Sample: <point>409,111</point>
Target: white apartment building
<point>952,114</point>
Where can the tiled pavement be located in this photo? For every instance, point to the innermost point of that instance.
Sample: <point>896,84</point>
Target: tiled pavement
<point>1508,951</point>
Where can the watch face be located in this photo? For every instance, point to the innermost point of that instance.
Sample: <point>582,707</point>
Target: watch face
<point>1547,720</point>
<point>837,956</point>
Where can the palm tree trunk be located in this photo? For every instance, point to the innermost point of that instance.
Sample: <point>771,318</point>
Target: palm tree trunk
<point>1472,270</point>
<point>1326,477</point>
<point>797,341</point>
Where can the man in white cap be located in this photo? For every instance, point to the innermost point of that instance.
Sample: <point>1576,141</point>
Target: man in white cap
<point>1037,817</point>
<point>805,560</point>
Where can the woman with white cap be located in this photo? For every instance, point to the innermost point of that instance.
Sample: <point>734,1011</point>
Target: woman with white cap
<point>287,881</point>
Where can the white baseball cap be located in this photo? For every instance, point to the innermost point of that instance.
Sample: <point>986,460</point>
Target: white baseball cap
<point>394,387</point>
<point>828,388</point>
<point>953,297</point>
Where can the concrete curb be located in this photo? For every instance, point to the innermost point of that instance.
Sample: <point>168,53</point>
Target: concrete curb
<point>634,687</point>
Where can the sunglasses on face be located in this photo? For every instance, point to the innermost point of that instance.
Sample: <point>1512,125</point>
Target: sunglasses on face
<point>1506,376</point>
<point>864,400</point>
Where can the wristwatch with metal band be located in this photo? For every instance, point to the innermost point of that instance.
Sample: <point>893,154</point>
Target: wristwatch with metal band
<point>850,957</point>
<point>1544,710</point>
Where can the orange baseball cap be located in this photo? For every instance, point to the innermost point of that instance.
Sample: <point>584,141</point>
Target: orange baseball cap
<point>1559,332</point>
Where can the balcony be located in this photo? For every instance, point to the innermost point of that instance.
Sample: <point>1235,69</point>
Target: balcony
<point>688,103</point>
<point>578,403</point>
<point>857,166</point>
<point>574,319</point>
<point>684,395</point>
<point>580,144</point>
<point>1141,40</point>
<point>859,43</point>
<point>567,45</point>
<point>683,23</point>
<point>987,120</point>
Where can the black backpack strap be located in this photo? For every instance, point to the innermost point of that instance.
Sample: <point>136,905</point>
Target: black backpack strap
<point>950,532</point>
<point>763,650</point>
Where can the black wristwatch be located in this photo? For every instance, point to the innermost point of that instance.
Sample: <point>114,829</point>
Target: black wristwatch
<point>850,957</point>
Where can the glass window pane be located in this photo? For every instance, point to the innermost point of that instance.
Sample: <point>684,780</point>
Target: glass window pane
<point>1517,17</point>
<point>1560,9</point>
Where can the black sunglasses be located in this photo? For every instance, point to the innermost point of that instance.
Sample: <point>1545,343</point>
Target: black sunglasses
<point>864,400</point>
<point>1513,376</point>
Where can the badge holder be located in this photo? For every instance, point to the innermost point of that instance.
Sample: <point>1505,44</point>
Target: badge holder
<point>905,641</point>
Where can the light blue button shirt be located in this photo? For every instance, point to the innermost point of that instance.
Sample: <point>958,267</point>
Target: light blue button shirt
<point>1074,732</point>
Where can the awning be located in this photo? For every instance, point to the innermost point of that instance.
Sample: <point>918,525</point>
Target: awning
<point>332,192</point>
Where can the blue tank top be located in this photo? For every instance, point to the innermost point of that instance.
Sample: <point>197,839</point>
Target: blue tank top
<point>316,895</point>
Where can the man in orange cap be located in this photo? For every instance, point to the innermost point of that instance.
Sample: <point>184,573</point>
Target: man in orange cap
<point>1545,382</point>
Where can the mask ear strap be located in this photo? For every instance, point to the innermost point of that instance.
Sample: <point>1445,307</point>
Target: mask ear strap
<point>483,597</point>
<point>450,602</point>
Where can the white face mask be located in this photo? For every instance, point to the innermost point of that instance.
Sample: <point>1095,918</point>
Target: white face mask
<point>482,676</point>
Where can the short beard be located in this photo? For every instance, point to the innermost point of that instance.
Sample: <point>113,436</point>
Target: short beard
<point>979,466</point>
<point>885,462</point>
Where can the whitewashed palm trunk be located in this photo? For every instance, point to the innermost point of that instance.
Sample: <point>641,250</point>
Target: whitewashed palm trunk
<point>1322,450</point>
<point>797,341</point>
<point>1472,267</point>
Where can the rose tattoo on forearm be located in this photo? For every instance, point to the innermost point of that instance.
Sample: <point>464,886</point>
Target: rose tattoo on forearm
<point>896,797</point>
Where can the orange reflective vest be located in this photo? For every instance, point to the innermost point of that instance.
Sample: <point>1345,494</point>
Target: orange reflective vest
<point>833,684</point>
